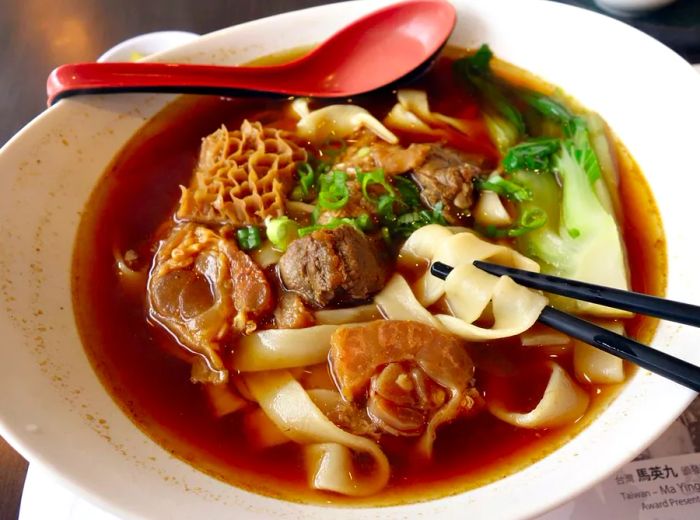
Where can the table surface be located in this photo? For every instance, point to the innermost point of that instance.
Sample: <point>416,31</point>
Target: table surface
<point>38,35</point>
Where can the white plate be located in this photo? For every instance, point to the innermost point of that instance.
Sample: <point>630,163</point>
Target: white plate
<point>55,411</point>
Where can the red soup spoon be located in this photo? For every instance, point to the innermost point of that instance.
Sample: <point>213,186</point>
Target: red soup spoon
<point>374,51</point>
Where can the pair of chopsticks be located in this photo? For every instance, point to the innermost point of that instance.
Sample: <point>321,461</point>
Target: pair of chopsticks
<point>653,360</point>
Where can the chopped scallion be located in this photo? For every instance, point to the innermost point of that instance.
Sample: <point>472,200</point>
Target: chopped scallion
<point>334,193</point>
<point>248,238</point>
<point>408,191</point>
<point>360,223</point>
<point>307,178</point>
<point>281,231</point>
<point>366,179</point>
<point>530,220</point>
<point>409,222</point>
<point>506,188</point>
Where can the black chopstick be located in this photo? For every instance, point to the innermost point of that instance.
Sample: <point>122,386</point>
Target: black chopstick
<point>627,300</point>
<point>647,357</point>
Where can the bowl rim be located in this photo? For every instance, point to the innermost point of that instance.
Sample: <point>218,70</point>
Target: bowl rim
<point>15,436</point>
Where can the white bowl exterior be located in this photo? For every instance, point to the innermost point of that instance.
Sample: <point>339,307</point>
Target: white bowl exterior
<point>57,413</point>
<point>146,44</point>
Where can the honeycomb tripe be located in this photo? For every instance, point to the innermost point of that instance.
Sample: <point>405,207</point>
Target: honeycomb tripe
<point>242,177</point>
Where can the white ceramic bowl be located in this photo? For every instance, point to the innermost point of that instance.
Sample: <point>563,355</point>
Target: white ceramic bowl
<point>55,411</point>
<point>146,44</point>
<point>631,7</point>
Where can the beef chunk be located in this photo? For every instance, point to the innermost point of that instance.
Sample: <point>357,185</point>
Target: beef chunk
<point>412,371</point>
<point>447,177</point>
<point>366,152</point>
<point>333,266</point>
<point>443,174</point>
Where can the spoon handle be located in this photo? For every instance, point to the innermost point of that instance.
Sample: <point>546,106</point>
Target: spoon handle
<point>84,78</point>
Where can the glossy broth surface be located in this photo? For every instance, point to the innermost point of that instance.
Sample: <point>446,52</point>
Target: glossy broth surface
<point>148,374</point>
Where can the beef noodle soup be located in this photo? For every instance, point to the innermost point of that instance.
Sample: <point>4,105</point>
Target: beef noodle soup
<point>252,282</point>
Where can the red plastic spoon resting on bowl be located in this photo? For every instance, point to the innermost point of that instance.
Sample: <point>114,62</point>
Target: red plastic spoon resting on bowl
<point>374,51</point>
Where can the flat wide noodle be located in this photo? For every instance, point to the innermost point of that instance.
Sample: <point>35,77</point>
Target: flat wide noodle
<point>397,302</point>
<point>469,292</point>
<point>283,348</point>
<point>337,122</point>
<point>223,400</point>
<point>401,119</point>
<point>416,102</point>
<point>490,211</point>
<point>595,366</point>
<point>356,314</point>
<point>329,449</point>
<point>562,403</point>
<point>433,244</point>
<point>515,308</point>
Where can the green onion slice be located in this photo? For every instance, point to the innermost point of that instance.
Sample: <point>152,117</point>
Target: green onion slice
<point>248,238</point>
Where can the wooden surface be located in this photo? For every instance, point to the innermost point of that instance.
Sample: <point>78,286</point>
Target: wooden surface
<point>38,35</point>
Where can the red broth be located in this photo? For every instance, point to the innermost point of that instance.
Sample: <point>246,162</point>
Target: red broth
<point>146,372</point>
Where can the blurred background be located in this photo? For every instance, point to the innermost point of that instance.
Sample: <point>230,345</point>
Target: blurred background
<point>38,35</point>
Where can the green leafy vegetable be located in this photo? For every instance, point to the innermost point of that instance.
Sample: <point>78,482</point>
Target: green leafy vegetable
<point>408,191</point>
<point>409,222</point>
<point>577,140</point>
<point>396,201</point>
<point>362,223</point>
<point>579,147</point>
<point>480,61</point>
<point>580,238</point>
<point>529,220</point>
<point>367,179</point>
<point>549,108</point>
<point>607,190</point>
<point>385,208</point>
<point>248,238</point>
<point>496,98</point>
<point>533,155</point>
<point>502,132</point>
<point>281,231</point>
<point>334,192</point>
<point>307,178</point>
<point>310,172</point>
<point>504,187</point>
<point>505,119</point>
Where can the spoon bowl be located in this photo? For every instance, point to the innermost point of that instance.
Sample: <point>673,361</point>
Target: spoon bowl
<point>352,61</point>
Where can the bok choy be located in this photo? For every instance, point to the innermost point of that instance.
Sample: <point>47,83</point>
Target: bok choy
<point>580,238</point>
<point>503,120</point>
